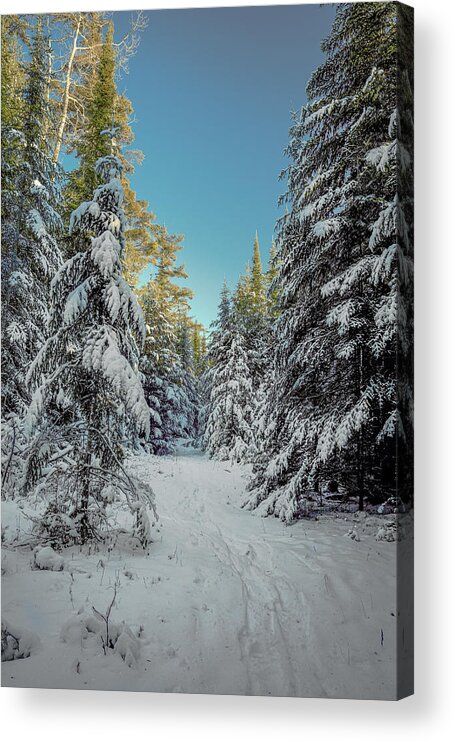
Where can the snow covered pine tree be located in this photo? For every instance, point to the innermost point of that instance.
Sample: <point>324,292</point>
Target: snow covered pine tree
<point>91,382</point>
<point>169,386</point>
<point>335,410</point>
<point>228,429</point>
<point>188,382</point>
<point>30,225</point>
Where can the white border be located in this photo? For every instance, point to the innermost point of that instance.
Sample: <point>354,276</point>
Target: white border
<point>77,715</point>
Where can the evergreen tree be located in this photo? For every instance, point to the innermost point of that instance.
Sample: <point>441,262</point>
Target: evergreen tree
<point>271,282</point>
<point>334,410</point>
<point>12,77</point>
<point>155,366</point>
<point>185,346</point>
<point>166,383</point>
<point>250,307</point>
<point>188,381</point>
<point>257,293</point>
<point>90,369</point>
<point>141,244</point>
<point>85,93</point>
<point>77,43</point>
<point>100,110</point>
<point>30,220</point>
<point>199,343</point>
<point>227,433</point>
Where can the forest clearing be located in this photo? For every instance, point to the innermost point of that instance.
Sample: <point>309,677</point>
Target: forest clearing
<point>224,602</point>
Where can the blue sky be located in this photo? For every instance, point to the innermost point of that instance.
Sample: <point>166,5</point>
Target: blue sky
<point>212,91</point>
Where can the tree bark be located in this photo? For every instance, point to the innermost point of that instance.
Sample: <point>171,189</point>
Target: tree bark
<point>360,463</point>
<point>66,95</point>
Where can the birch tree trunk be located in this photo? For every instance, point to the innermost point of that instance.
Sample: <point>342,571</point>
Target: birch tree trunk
<point>66,94</point>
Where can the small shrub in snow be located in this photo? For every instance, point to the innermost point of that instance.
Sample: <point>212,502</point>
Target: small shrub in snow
<point>398,505</point>
<point>56,526</point>
<point>17,643</point>
<point>392,505</point>
<point>142,525</point>
<point>46,558</point>
<point>97,631</point>
<point>387,532</point>
<point>352,533</point>
<point>127,646</point>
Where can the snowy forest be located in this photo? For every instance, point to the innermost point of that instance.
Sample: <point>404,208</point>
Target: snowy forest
<point>141,450</point>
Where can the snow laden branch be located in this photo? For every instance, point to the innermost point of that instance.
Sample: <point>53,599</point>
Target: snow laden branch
<point>87,376</point>
<point>339,404</point>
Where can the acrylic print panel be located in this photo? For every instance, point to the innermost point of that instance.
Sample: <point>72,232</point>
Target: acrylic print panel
<point>207,370</point>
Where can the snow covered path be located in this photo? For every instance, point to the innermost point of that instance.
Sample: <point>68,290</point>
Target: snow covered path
<point>229,602</point>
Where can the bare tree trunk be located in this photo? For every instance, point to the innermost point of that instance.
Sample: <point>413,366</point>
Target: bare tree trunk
<point>83,513</point>
<point>48,82</point>
<point>82,510</point>
<point>66,95</point>
<point>360,472</point>
<point>360,462</point>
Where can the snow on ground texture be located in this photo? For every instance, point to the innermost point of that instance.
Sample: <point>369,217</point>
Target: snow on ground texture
<point>226,602</point>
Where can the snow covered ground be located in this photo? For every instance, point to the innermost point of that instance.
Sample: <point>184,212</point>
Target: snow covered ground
<point>225,602</point>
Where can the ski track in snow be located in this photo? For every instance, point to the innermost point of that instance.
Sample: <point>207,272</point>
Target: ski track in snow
<point>230,602</point>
